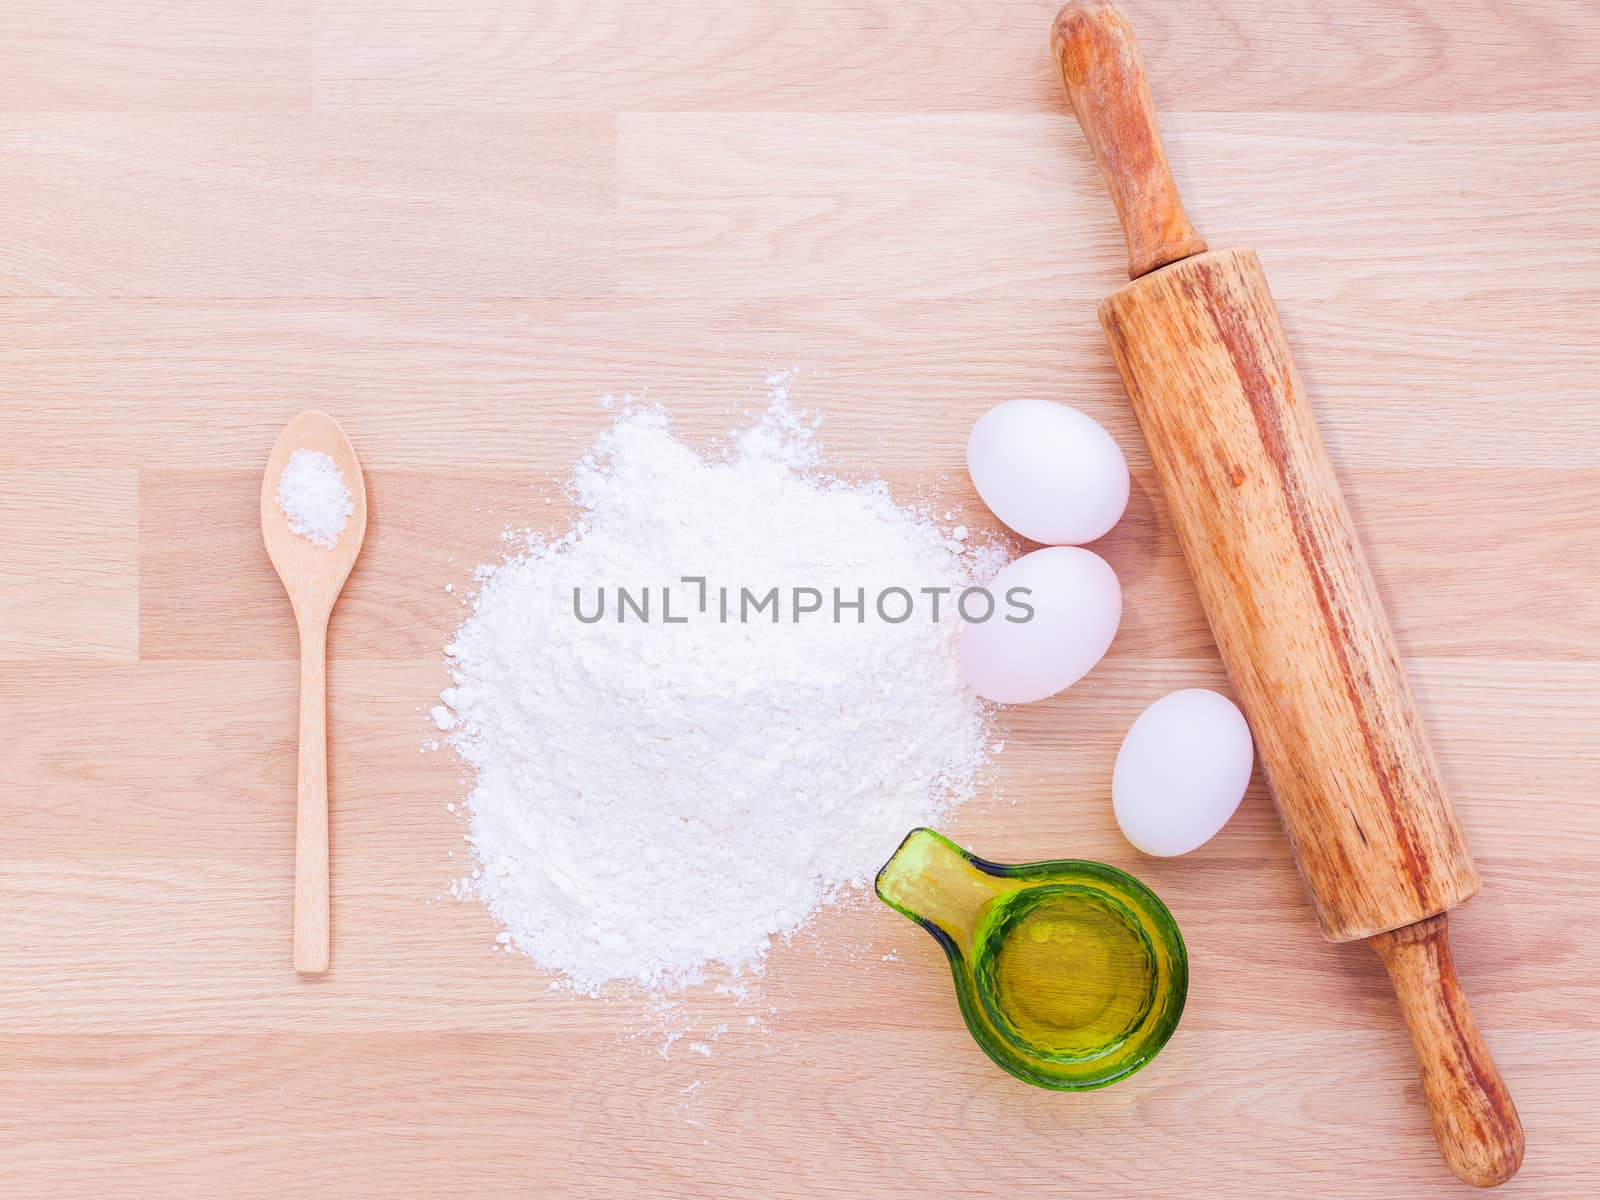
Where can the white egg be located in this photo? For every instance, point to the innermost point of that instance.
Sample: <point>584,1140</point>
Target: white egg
<point>1055,613</point>
<point>1048,471</point>
<point>1182,770</point>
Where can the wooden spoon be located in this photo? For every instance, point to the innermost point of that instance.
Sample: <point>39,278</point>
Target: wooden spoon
<point>313,577</point>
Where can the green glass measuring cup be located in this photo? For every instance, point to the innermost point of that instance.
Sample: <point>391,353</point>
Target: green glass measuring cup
<point>1071,974</point>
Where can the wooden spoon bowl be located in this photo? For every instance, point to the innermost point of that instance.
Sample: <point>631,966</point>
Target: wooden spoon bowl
<point>313,576</point>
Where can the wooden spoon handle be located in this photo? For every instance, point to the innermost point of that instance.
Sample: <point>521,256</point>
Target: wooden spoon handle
<point>311,809</point>
<point>1474,1120</point>
<point>1100,64</point>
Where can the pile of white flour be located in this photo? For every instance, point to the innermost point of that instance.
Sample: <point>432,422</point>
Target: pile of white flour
<point>653,799</point>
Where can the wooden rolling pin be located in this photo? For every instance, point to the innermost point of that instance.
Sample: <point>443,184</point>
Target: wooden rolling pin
<point>1287,591</point>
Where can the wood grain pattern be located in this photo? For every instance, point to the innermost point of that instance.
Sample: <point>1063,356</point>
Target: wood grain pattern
<point>1288,594</point>
<point>69,581</point>
<point>267,204</point>
<point>454,226</point>
<point>313,575</point>
<point>948,55</point>
<point>1474,1118</point>
<point>731,206</point>
<point>156,55</point>
<point>1104,75</point>
<point>1283,580</point>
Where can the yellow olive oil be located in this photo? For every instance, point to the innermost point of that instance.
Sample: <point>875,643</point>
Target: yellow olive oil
<point>1070,974</point>
<point>1067,971</point>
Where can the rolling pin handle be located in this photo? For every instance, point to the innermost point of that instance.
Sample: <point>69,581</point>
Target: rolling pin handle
<point>1474,1120</point>
<point>1104,74</point>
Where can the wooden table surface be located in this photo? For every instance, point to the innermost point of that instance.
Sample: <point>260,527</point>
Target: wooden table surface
<point>455,225</point>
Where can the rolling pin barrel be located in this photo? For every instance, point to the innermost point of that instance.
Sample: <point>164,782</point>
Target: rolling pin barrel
<point>1290,599</point>
<point>1288,594</point>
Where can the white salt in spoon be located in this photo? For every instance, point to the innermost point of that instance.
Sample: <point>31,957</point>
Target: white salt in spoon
<point>313,577</point>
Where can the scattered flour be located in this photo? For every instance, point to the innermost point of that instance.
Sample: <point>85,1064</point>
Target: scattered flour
<point>653,801</point>
<point>313,495</point>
